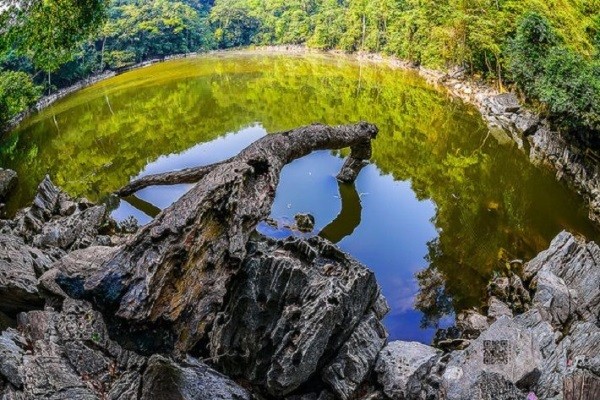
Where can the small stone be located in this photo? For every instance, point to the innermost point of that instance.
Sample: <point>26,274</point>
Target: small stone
<point>305,222</point>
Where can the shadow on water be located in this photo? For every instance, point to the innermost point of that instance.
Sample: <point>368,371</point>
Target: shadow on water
<point>349,217</point>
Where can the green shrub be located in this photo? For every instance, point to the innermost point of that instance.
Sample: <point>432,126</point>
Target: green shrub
<point>567,83</point>
<point>17,93</point>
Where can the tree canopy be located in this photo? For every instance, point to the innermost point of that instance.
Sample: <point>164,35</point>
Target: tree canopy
<point>493,39</point>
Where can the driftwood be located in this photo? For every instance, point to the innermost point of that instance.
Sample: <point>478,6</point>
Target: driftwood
<point>163,288</point>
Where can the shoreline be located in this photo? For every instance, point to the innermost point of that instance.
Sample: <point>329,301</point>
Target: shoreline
<point>507,118</point>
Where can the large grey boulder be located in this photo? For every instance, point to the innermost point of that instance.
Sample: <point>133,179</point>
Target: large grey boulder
<point>553,298</point>
<point>8,179</point>
<point>577,263</point>
<point>557,338</point>
<point>402,367</point>
<point>295,306</point>
<point>505,349</point>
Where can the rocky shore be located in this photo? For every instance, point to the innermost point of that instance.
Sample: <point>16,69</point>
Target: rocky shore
<point>301,321</point>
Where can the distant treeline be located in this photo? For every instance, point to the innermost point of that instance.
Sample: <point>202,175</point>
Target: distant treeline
<point>547,49</point>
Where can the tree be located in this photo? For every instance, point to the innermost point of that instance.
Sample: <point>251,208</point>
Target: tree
<point>48,31</point>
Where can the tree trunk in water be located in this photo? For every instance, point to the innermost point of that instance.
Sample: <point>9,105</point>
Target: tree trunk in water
<point>163,288</point>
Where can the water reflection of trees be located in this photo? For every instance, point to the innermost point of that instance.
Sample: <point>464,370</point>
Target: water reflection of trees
<point>491,203</point>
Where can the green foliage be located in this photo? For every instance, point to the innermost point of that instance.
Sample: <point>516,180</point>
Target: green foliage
<point>17,93</point>
<point>564,81</point>
<point>47,31</point>
<point>137,31</point>
<point>233,23</point>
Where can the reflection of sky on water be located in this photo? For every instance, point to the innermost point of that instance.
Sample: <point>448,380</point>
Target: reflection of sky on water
<point>391,238</point>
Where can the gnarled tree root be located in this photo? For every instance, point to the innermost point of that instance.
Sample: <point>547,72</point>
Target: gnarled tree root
<point>168,282</point>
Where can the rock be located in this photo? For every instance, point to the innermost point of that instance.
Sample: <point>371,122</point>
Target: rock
<point>55,221</point>
<point>471,323</point>
<point>19,266</point>
<point>72,232</point>
<point>497,309</point>
<point>506,349</point>
<point>68,355</point>
<point>511,291</point>
<point>45,203</point>
<point>553,298</point>
<point>77,264</point>
<point>503,103</point>
<point>294,306</point>
<point>527,123</point>
<point>401,367</point>
<point>11,357</point>
<point>492,386</point>
<point>577,263</point>
<point>356,358</point>
<point>8,180</point>
<point>305,222</point>
<point>190,380</point>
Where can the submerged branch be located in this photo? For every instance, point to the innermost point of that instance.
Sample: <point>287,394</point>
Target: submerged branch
<point>188,175</point>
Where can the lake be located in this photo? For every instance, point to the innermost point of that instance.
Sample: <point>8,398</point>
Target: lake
<point>442,207</point>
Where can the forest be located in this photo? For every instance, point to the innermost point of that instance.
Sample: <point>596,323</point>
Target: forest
<point>549,51</point>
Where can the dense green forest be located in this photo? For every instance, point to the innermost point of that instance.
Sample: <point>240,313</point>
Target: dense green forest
<point>548,50</point>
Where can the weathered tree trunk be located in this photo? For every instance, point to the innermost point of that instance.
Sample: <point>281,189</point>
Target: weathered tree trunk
<point>166,284</point>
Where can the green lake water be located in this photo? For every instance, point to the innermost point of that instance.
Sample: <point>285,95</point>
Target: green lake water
<point>442,207</point>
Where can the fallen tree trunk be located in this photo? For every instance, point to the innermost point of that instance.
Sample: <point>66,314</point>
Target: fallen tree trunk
<point>165,286</point>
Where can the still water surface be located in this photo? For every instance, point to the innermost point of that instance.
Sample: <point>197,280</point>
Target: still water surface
<point>442,207</point>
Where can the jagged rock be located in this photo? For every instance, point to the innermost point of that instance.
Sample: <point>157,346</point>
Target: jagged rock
<point>402,367</point>
<point>577,263</point>
<point>77,264</point>
<point>294,305</point>
<point>553,298</point>
<point>471,323</point>
<point>492,386</point>
<point>8,179</point>
<point>45,203</point>
<point>190,380</point>
<point>527,123</point>
<point>19,267</point>
<point>11,357</point>
<point>75,231</point>
<point>305,222</point>
<point>69,355</point>
<point>356,358</point>
<point>55,221</point>
<point>166,285</point>
<point>506,349</point>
